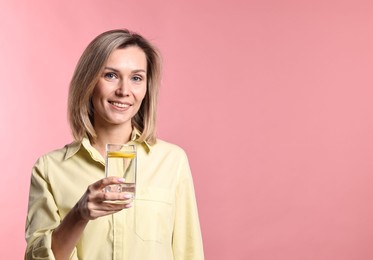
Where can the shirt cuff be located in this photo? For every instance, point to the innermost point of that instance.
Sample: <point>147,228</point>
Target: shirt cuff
<point>41,248</point>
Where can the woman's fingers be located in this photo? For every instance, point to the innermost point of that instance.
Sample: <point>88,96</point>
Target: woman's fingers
<point>120,196</point>
<point>100,209</point>
<point>96,192</point>
<point>99,185</point>
<point>110,210</point>
<point>97,203</point>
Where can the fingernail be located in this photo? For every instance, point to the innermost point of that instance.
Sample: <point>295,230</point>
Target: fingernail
<point>127,196</point>
<point>121,180</point>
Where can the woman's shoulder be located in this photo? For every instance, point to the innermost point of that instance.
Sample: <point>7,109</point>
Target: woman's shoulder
<point>62,152</point>
<point>163,144</point>
<point>166,147</point>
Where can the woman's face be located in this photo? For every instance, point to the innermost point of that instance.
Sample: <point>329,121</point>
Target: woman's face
<point>121,88</point>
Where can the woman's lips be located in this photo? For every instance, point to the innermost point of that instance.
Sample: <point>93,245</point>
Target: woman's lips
<point>120,105</point>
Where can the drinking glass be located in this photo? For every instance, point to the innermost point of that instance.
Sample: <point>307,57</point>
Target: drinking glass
<point>121,162</point>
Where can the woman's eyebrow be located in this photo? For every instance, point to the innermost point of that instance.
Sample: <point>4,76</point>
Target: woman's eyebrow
<point>139,70</point>
<point>110,68</point>
<point>134,71</point>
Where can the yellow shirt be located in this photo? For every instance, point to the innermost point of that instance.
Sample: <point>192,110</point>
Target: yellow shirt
<point>163,223</point>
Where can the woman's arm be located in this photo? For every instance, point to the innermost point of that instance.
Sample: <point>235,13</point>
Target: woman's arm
<point>89,207</point>
<point>49,238</point>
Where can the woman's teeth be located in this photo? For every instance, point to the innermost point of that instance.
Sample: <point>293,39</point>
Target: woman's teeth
<point>121,105</point>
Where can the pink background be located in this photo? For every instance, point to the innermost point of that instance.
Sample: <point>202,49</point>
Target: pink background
<point>272,100</point>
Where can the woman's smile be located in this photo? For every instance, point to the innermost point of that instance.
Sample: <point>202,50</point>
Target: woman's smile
<point>120,105</point>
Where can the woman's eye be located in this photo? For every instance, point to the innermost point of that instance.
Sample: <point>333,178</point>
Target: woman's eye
<point>110,75</point>
<point>136,78</point>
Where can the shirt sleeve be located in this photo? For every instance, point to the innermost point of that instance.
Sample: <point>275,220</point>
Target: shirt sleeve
<point>42,216</point>
<point>187,238</point>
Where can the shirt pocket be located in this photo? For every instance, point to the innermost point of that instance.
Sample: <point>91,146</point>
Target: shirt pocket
<point>154,211</point>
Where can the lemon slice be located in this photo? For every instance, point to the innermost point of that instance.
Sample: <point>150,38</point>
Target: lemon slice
<point>118,154</point>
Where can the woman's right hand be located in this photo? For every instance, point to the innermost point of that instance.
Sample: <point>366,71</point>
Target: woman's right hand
<point>95,202</point>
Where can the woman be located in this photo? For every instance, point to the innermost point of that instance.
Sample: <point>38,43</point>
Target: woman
<point>112,99</point>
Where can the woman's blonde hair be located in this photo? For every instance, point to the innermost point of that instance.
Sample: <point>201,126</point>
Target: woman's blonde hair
<point>86,76</point>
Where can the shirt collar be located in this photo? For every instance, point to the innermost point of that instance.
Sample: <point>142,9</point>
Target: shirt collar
<point>136,135</point>
<point>74,147</point>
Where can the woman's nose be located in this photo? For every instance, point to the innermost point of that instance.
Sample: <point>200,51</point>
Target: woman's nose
<point>123,88</point>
